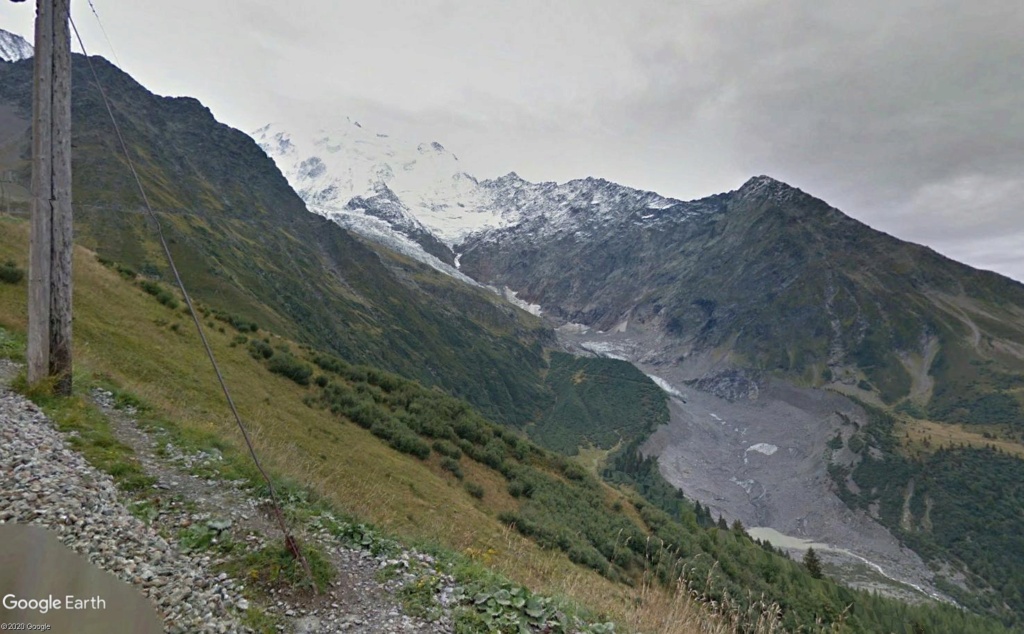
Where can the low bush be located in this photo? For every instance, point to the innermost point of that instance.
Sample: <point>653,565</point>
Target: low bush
<point>453,465</point>
<point>260,349</point>
<point>448,449</point>
<point>161,294</point>
<point>288,366</point>
<point>11,273</point>
<point>238,323</point>
<point>411,444</point>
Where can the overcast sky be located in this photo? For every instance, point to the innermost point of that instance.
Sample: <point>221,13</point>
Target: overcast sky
<point>905,114</point>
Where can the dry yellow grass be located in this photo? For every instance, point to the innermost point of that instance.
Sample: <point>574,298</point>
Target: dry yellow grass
<point>152,351</point>
<point>925,436</point>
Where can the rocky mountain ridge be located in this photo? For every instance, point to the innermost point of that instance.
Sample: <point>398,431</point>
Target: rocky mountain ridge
<point>14,48</point>
<point>421,192</point>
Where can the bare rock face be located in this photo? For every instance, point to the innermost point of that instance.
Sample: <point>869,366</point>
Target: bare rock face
<point>731,385</point>
<point>767,277</point>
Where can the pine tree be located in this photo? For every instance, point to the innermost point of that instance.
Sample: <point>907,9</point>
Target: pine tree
<point>812,563</point>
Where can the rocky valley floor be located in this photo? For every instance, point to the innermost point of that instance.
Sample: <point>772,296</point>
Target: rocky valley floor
<point>757,451</point>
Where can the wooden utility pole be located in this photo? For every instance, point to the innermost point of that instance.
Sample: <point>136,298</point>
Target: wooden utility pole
<point>49,271</point>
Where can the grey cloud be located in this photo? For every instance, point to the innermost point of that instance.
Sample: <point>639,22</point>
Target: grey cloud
<point>907,115</point>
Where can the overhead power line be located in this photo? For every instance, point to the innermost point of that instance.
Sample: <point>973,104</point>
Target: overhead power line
<point>110,45</point>
<point>290,543</point>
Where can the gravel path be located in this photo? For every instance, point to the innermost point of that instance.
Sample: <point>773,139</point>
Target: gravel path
<point>44,482</point>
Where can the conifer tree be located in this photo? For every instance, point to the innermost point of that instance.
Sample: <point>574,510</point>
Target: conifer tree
<point>812,563</point>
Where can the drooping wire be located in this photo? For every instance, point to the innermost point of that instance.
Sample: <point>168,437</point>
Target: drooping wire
<point>103,29</point>
<point>290,542</point>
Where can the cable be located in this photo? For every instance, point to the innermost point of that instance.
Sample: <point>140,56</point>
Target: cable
<point>110,45</point>
<point>290,543</point>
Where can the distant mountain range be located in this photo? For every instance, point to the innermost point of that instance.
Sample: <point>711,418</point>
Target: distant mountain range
<point>420,191</point>
<point>765,278</point>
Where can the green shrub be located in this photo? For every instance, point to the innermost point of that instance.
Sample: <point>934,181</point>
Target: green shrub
<point>366,414</point>
<point>288,366</point>
<point>911,409</point>
<point>856,443</point>
<point>467,447</point>
<point>410,443</point>
<point>331,364</point>
<point>574,471</point>
<point>168,300</point>
<point>11,273</point>
<point>475,490</point>
<point>273,568</point>
<point>453,465</point>
<point>260,349</point>
<point>446,448</point>
<point>236,322</point>
<point>520,488</point>
<point>161,294</point>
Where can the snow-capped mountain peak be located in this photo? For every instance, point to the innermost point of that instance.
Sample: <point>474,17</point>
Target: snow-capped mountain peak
<point>416,197</point>
<point>14,48</point>
<point>330,167</point>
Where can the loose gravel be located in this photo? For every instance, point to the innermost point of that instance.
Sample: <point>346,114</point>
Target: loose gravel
<point>44,482</point>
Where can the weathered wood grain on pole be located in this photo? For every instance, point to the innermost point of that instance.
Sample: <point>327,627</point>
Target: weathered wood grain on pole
<point>40,241</point>
<point>61,224</point>
<point>50,243</point>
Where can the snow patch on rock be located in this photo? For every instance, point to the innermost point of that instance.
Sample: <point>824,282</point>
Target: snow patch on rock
<point>604,349</point>
<point>511,297</point>
<point>14,48</point>
<point>763,447</point>
<point>666,386</point>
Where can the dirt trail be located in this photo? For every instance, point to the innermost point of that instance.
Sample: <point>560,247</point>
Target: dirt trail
<point>357,602</point>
